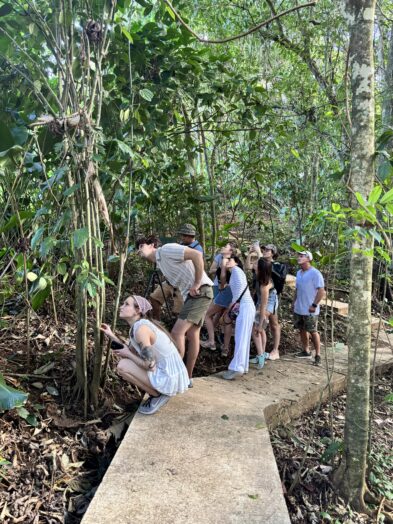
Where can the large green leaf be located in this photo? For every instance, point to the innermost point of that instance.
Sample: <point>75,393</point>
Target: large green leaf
<point>9,397</point>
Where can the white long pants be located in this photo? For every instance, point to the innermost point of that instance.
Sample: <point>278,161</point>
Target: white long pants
<point>243,331</point>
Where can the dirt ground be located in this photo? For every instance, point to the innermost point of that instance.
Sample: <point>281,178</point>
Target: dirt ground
<point>52,460</point>
<point>313,500</point>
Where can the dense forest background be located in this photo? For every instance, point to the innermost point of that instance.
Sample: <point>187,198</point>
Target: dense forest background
<point>245,118</point>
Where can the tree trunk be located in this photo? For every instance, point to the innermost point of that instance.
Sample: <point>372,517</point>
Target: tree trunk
<point>350,477</point>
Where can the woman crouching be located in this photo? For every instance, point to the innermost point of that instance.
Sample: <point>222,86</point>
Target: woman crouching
<point>150,359</point>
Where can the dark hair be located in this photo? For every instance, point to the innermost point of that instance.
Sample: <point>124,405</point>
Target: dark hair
<point>237,260</point>
<point>152,239</point>
<point>264,272</point>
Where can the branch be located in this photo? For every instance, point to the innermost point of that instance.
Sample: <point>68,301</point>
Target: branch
<point>240,35</point>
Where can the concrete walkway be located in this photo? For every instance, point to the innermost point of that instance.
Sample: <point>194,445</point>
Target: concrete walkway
<point>206,456</point>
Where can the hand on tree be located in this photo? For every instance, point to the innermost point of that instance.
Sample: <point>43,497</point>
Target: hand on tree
<point>106,329</point>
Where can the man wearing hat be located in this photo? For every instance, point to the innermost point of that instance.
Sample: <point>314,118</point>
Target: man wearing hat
<point>187,234</point>
<point>310,290</point>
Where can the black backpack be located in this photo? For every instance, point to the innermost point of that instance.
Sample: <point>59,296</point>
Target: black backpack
<point>279,273</point>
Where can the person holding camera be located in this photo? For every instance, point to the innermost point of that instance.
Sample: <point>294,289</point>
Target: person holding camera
<point>182,267</point>
<point>149,360</point>
<point>242,311</point>
<point>163,293</point>
<point>267,303</point>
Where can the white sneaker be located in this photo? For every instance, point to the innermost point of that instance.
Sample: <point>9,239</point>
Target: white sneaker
<point>153,404</point>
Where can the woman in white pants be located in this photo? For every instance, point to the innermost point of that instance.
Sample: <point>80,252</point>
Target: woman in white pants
<point>241,298</point>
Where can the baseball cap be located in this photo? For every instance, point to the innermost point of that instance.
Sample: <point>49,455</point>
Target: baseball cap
<point>272,248</point>
<point>187,229</point>
<point>307,254</point>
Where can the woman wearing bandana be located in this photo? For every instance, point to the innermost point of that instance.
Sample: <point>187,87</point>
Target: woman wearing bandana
<point>150,359</point>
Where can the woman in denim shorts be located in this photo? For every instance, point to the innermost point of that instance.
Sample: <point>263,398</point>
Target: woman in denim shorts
<point>267,305</point>
<point>221,301</point>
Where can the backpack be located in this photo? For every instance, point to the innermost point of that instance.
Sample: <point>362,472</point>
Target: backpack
<point>279,273</point>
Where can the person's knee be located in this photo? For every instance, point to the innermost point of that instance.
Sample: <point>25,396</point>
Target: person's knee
<point>122,367</point>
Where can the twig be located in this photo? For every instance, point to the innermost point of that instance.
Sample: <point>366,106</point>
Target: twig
<point>240,35</point>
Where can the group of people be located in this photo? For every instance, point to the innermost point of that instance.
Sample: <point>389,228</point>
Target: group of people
<point>153,359</point>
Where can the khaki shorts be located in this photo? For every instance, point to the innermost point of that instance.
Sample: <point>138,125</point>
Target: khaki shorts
<point>307,323</point>
<point>169,292</point>
<point>194,309</point>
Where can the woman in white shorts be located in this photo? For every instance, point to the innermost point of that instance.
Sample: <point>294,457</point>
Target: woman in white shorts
<point>150,359</point>
<point>267,305</point>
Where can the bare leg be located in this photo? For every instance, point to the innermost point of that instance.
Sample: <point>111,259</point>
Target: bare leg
<point>259,341</point>
<point>304,340</point>
<point>316,340</point>
<point>228,332</point>
<point>156,309</point>
<point>133,374</point>
<point>178,333</point>
<point>193,348</point>
<point>210,320</point>
<point>276,334</point>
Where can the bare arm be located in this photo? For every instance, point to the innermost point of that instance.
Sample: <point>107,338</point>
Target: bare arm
<point>318,297</point>
<point>197,259</point>
<point>145,338</point>
<point>213,268</point>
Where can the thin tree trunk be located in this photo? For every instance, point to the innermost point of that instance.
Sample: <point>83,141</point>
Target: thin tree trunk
<point>351,474</point>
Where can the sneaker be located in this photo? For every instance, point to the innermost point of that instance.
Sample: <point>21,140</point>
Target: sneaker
<point>231,375</point>
<point>206,344</point>
<point>303,354</point>
<point>153,404</point>
<point>190,384</point>
<point>259,360</point>
<point>317,361</point>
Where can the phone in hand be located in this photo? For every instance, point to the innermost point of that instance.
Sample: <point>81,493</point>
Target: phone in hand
<point>116,345</point>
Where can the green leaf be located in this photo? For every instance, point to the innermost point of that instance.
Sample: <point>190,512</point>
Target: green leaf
<point>146,94</point>
<point>61,268</point>
<point>14,222</point>
<point>36,237</point>
<point>297,247</point>
<point>170,12</point>
<point>47,246</point>
<point>295,153</point>
<point>10,397</point>
<point>71,190</point>
<point>31,276</point>
<point>360,199</point>
<point>80,237</point>
<point>387,197</point>
<point>39,298</point>
<point>5,9</point>
<point>375,194</point>
<point>127,35</point>
<point>336,207</point>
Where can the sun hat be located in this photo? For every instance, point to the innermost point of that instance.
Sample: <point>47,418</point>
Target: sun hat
<point>187,229</point>
<point>307,254</point>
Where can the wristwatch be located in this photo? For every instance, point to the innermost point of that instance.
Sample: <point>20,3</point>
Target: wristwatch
<point>314,304</point>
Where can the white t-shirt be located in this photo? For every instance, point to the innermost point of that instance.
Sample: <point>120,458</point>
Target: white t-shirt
<point>307,284</point>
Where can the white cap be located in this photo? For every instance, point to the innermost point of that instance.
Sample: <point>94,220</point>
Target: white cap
<point>307,254</point>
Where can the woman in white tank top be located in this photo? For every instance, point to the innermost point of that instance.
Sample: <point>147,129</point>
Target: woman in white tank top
<point>150,359</point>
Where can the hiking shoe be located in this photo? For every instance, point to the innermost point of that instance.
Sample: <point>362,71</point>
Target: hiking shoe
<point>317,361</point>
<point>153,404</point>
<point>303,354</point>
<point>231,375</point>
<point>206,344</point>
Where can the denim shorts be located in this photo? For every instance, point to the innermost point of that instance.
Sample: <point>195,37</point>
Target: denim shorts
<point>224,297</point>
<point>272,303</point>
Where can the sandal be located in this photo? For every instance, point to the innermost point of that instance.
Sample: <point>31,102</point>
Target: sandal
<point>206,344</point>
